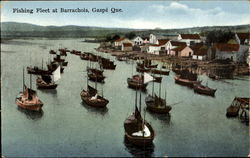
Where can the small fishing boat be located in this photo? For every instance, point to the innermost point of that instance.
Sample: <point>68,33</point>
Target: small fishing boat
<point>107,64</point>
<point>47,82</point>
<point>142,69</point>
<point>95,75</point>
<point>185,82</point>
<point>187,78</point>
<point>137,130</point>
<point>157,78</point>
<point>137,82</point>
<point>37,71</point>
<point>237,104</point>
<point>28,99</point>
<point>91,98</point>
<point>157,105</point>
<point>199,88</point>
<point>65,63</point>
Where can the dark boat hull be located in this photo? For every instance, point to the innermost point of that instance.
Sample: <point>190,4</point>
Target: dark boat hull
<point>99,103</point>
<point>185,82</point>
<point>153,107</point>
<point>210,92</point>
<point>38,71</point>
<point>135,84</point>
<point>160,72</point>
<point>96,78</point>
<point>232,111</point>
<point>137,140</point>
<point>65,63</point>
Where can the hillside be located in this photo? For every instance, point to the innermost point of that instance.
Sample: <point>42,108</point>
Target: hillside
<point>15,30</point>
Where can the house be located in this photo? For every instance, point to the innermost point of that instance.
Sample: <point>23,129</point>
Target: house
<point>127,47</point>
<point>242,38</point>
<point>159,48</point>
<point>235,52</point>
<point>189,39</point>
<point>182,51</point>
<point>118,42</point>
<point>200,52</point>
<point>173,44</point>
<point>138,41</point>
<point>154,39</point>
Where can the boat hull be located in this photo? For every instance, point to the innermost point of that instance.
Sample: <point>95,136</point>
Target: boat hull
<point>136,85</point>
<point>153,107</point>
<point>185,82</point>
<point>98,103</point>
<point>32,107</point>
<point>210,92</point>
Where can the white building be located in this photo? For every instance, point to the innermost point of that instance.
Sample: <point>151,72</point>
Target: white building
<point>242,38</point>
<point>173,44</point>
<point>138,41</point>
<point>159,48</point>
<point>189,39</point>
<point>154,39</point>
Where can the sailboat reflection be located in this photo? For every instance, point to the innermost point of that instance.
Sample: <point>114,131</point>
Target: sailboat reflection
<point>32,115</point>
<point>94,110</point>
<point>139,151</point>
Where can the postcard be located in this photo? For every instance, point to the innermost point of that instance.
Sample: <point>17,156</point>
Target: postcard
<point>125,78</point>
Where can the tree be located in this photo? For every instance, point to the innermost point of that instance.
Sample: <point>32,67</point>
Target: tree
<point>219,36</point>
<point>130,35</point>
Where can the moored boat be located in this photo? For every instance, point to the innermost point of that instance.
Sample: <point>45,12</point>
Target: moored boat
<point>37,71</point>
<point>47,82</point>
<point>185,82</point>
<point>199,88</point>
<point>157,105</point>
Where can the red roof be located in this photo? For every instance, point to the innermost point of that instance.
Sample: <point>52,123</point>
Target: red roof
<point>127,44</point>
<point>161,42</point>
<point>243,36</point>
<point>227,47</point>
<point>176,43</point>
<point>177,49</point>
<point>190,36</point>
<point>120,39</point>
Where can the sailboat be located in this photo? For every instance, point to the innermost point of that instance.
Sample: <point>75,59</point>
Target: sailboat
<point>202,89</point>
<point>137,130</point>
<point>187,78</point>
<point>28,99</point>
<point>157,104</point>
<point>91,97</point>
<point>47,82</point>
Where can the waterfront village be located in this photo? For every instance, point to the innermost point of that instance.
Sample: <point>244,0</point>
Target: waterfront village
<point>220,60</point>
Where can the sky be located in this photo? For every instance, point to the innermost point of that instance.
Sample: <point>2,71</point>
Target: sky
<point>135,14</point>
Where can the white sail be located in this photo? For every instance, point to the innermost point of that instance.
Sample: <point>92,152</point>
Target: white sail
<point>147,78</point>
<point>57,74</point>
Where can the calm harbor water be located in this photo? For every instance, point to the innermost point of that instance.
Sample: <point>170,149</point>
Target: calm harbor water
<point>197,126</point>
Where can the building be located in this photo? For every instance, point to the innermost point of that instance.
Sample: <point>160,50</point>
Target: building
<point>182,51</point>
<point>154,39</point>
<point>159,48</point>
<point>173,44</point>
<point>127,47</point>
<point>189,39</point>
<point>138,41</point>
<point>235,52</point>
<point>242,38</point>
<point>118,42</point>
<point>200,52</point>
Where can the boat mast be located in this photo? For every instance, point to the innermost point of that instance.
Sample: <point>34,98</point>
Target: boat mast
<point>140,101</point>
<point>30,81</point>
<point>23,78</point>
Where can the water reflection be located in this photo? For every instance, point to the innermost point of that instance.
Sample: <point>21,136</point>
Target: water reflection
<point>137,151</point>
<point>32,115</point>
<point>52,92</point>
<point>94,110</point>
<point>165,118</point>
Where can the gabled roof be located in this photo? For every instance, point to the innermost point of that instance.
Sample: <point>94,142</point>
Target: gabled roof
<point>190,36</point>
<point>177,43</point>
<point>243,36</point>
<point>161,42</point>
<point>177,49</point>
<point>227,47</point>
<point>127,44</point>
<point>120,39</point>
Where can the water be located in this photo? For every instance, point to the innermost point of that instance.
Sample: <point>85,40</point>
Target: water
<point>197,126</point>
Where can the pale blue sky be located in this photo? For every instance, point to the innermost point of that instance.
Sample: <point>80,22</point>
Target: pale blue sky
<point>138,14</point>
